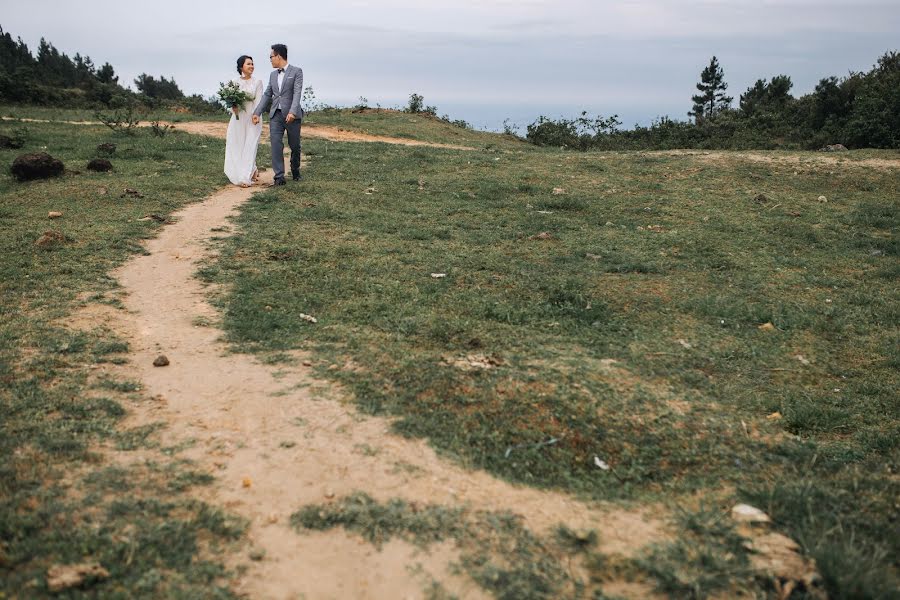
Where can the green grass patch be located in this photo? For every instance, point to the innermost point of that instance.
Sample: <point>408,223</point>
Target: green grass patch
<point>619,319</point>
<point>59,502</point>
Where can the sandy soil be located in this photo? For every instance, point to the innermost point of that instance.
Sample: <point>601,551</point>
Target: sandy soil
<point>276,439</point>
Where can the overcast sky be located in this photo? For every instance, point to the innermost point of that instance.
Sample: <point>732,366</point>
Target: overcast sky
<point>480,60</point>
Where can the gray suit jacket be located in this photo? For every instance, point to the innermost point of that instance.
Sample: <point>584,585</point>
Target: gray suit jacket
<point>287,97</point>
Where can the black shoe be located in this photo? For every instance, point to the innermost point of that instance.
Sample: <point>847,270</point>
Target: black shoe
<point>278,182</point>
<point>297,176</point>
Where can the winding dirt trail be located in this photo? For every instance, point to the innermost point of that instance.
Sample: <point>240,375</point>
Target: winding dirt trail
<point>277,439</point>
<point>325,132</point>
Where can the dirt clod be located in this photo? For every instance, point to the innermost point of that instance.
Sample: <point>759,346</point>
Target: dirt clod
<point>161,361</point>
<point>64,577</point>
<point>100,165</point>
<point>50,239</point>
<point>38,165</point>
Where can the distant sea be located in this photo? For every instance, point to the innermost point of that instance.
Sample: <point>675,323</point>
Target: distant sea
<point>490,117</point>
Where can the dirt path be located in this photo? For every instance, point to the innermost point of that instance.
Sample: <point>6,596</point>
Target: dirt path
<point>276,439</point>
<point>325,132</point>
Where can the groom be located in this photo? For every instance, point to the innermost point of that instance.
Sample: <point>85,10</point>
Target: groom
<point>283,94</point>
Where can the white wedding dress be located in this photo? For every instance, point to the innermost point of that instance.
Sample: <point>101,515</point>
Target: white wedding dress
<point>242,138</point>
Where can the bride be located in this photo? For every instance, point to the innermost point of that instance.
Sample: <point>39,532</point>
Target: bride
<point>242,138</point>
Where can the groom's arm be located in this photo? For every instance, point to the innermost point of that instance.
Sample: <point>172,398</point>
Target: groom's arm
<point>264,103</point>
<point>296,110</point>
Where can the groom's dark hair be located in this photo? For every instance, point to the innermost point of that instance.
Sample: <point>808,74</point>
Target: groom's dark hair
<point>280,50</point>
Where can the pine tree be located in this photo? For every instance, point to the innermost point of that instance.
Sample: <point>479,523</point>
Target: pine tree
<point>712,99</point>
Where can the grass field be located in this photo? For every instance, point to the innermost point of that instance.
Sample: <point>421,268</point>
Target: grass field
<point>60,500</point>
<point>651,310</point>
<point>703,323</point>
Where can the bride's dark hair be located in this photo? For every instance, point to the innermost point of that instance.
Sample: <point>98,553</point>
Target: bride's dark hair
<point>240,63</point>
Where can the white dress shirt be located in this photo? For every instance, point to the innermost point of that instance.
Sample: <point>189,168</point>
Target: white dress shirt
<point>281,77</point>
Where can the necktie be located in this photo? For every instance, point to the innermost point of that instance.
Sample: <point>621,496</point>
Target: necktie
<point>281,70</point>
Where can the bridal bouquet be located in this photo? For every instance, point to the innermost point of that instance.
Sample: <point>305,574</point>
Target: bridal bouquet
<point>232,95</point>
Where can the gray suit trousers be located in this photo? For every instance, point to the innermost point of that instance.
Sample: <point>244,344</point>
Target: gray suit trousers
<point>277,127</point>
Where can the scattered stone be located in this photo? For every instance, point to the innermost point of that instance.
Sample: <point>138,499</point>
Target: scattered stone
<point>307,363</point>
<point>438,275</point>
<point>834,148</point>
<point>102,190</point>
<point>100,165</point>
<point>744,513</point>
<point>474,362</point>
<point>685,344</point>
<point>803,360</point>
<point>309,318</point>
<point>601,464</point>
<point>246,482</point>
<point>761,198</point>
<point>544,235</point>
<point>775,416</point>
<point>823,199</point>
<point>38,165</point>
<point>257,554</point>
<point>132,193</point>
<point>558,191</point>
<point>49,239</point>
<point>329,493</point>
<point>63,577</point>
<point>107,149</point>
<point>54,214</point>
<point>161,361</point>
<point>766,327</point>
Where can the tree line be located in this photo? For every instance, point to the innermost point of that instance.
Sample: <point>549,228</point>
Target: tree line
<point>861,110</point>
<point>52,78</point>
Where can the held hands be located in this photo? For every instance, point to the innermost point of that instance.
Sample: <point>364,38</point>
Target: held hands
<point>255,119</point>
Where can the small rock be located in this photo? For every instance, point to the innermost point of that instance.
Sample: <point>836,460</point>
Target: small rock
<point>272,518</point>
<point>63,577</point>
<point>329,493</point>
<point>53,214</point>
<point>246,482</point>
<point>834,148</point>
<point>307,363</point>
<point>558,191</point>
<point>39,165</point>
<point>102,191</point>
<point>745,513</point>
<point>309,318</point>
<point>775,416</point>
<point>766,327</point>
<point>257,554</point>
<point>601,464</point>
<point>761,198</point>
<point>100,165</point>
<point>131,192</point>
<point>49,239</point>
<point>544,235</point>
<point>823,199</point>
<point>438,275</point>
<point>161,361</point>
<point>803,360</point>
